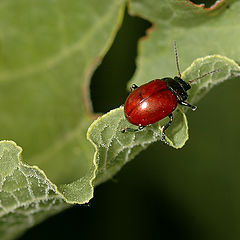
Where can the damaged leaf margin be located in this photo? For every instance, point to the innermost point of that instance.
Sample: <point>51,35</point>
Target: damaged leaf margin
<point>114,149</point>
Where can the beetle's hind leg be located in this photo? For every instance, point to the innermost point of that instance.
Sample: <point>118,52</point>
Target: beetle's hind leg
<point>164,128</point>
<point>127,129</point>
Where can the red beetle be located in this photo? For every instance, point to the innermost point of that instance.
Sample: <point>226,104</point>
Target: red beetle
<point>156,100</point>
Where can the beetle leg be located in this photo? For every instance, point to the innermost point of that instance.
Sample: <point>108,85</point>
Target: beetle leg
<point>127,129</point>
<point>141,127</point>
<point>134,86</point>
<point>166,127</point>
<point>188,105</point>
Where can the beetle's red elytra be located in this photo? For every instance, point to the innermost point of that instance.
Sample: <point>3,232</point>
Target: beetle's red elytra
<point>157,99</point>
<point>150,103</point>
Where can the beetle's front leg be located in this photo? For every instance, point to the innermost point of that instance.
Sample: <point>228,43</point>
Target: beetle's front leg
<point>188,105</point>
<point>133,87</point>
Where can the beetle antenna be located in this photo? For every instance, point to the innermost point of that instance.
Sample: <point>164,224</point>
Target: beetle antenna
<point>177,62</point>
<point>204,75</point>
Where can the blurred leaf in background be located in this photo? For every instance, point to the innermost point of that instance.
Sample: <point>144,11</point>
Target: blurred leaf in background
<point>48,51</point>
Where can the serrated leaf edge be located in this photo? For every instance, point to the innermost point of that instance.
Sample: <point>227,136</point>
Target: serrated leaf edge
<point>59,195</point>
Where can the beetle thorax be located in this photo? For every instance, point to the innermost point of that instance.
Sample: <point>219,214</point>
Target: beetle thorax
<point>178,87</point>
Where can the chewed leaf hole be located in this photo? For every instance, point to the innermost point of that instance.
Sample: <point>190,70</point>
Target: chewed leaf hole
<point>108,83</point>
<point>207,4</point>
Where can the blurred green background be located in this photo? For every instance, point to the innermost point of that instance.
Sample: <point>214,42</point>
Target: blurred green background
<point>191,193</point>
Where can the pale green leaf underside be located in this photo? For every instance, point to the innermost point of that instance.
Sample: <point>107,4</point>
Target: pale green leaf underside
<point>114,148</point>
<point>26,195</point>
<point>48,51</point>
<point>42,80</point>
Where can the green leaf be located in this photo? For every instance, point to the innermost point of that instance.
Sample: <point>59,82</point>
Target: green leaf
<point>198,33</point>
<point>26,194</point>
<point>228,70</point>
<point>114,148</point>
<point>48,51</point>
